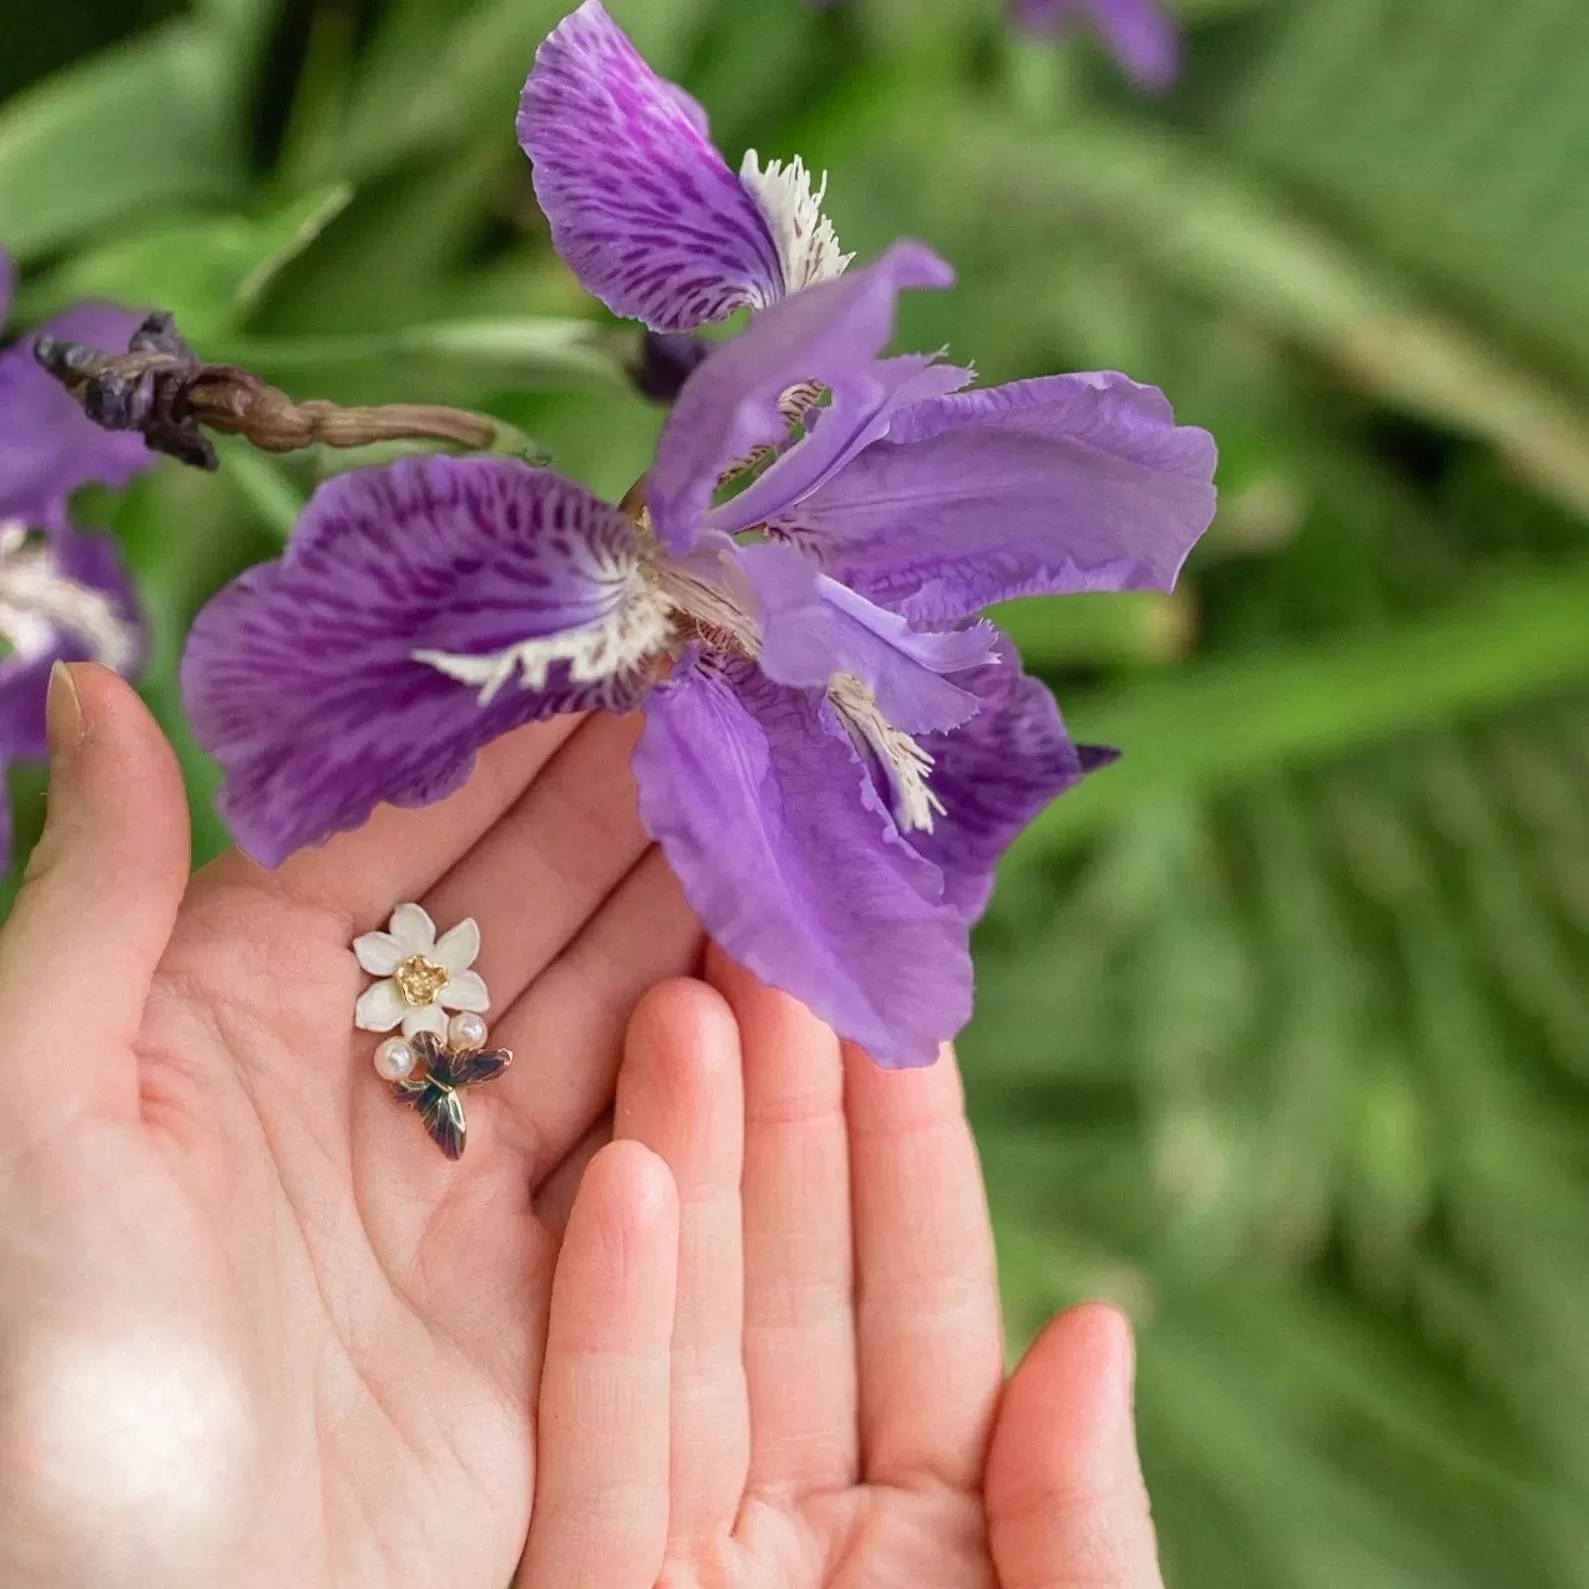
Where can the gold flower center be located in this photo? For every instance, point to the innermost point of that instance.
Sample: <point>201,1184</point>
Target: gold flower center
<point>419,980</point>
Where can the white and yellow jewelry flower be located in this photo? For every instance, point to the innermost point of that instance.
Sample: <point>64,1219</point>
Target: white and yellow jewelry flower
<point>422,976</point>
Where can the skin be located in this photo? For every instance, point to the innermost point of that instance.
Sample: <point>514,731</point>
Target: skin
<point>254,1329</point>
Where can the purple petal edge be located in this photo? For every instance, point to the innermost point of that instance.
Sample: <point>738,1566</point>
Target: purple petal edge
<point>995,775</point>
<point>48,447</point>
<point>1140,34</point>
<point>1053,486</point>
<point>300,677</point>
<point>788,857</point>
<point>831,333</point>
<point>644,211</point>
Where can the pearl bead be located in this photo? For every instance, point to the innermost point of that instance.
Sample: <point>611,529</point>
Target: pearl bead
<point>395,1059</point>
<point>466,1030</point>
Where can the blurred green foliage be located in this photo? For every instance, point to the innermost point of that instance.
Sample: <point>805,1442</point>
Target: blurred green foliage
<point>1283,1037</point>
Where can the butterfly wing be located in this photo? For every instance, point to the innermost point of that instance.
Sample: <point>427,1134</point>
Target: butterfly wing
<point>479,1064</point>
<point>432,1052</point>
<point>411,1090</point>
<point>442,1113</point>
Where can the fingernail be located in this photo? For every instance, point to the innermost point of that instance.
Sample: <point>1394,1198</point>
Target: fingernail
<point>63,714</point>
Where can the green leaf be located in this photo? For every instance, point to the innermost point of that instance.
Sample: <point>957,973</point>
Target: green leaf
<point>1214,723</point>
<point>432,362</point>
<point>1229,239</point>
<point>209,272</point>
<point>1483,106</point>
<point>1100,630</point>
<point>142,128</point>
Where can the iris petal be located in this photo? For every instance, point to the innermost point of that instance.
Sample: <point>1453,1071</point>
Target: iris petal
<point>771,824</point>
<point>1053,486</point>
<point>994,775</point>
<point>644,211</point>
<point>301,677</point>
<point>832,334</point>
<point>48,446</point>
<point>812,628</point>
<point>1139,34</point>
<point>63,597</point>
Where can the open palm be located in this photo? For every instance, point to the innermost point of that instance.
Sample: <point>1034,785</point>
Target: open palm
<point>254,1329</point>
<point>805,1389</point>
<point>251,1316</point>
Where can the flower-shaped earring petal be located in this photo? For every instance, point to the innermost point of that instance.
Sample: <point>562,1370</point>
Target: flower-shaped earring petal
<point>422,976</point>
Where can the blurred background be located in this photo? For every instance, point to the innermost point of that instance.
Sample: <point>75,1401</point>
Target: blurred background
<point>1283,1038</point>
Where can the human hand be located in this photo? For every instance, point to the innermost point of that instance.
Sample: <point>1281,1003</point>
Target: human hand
<point>254,1329</point>
<point>807,1388</point>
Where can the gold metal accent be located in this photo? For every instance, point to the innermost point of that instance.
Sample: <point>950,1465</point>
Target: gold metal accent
<point>419,980</point>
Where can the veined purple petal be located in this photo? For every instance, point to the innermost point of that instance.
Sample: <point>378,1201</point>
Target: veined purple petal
<point>1053,486</point>
<point>812,627</point>
<point>994,775</point>
<point>64,597</point>
<point>830,333</point>
<point>48,447</point>
<point>771,824</point>
<point>643,209</point>
<point>862,410</point>
<point>302,677</point>
<point>1139,34</point>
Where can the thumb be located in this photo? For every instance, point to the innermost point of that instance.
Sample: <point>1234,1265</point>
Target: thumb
<point>1064,1492</point>
<point>99,899</point>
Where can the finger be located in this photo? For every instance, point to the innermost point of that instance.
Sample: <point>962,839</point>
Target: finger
<point>799,1319</point>
<point>679,1093</point>
<point>399,854</point>
<point>1066,1504</point>
<point>544,868</point>
<point>99,901</point>
<point>930,1345</point>
<point>567,1030</point>
<point>600,1517</point>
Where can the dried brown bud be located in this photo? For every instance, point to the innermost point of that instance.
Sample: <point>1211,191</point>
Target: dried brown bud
<point>159,388</point>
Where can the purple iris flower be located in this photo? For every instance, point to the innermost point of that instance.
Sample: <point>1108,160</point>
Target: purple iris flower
<point>1139,34</point>
<point>836,749</point>
<point>64,596</point>
<point>643,208</point>
<point>47,448</point>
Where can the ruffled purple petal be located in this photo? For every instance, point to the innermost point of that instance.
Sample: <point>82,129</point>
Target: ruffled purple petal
<point>994,775</point>
<point>48,448</point>
<point>301,677</point>
<point>830,333</point>
<point>862,411</point>
<point>773,827</point>
<point>1139,34</point>
<point>63,598</point>
<point>1053,486</point>
<point>643,209</point>
<point>812,627</point>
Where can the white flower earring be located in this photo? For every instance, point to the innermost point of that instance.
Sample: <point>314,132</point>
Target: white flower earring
<point>429,988</point>
<point>423,977</point>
